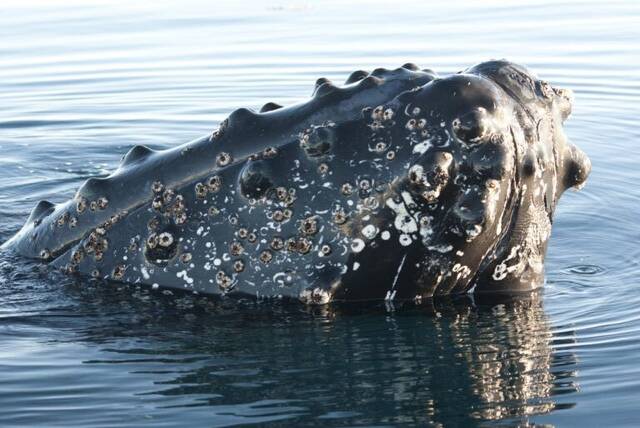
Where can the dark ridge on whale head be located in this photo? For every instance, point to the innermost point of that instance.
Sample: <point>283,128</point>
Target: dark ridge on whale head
<point>93,188</point>
<point>137,153</point>
<point>270,106</point>
<point>411,66</point>
<point>241,119</point>
<point>321,81</point>
<point>325,88</point>
<point>379,72</point>
<point>356,76</point>
<point>41,210</point>
<point>370,82</point>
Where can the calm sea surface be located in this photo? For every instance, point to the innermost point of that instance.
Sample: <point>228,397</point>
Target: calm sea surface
<point>81,82</point>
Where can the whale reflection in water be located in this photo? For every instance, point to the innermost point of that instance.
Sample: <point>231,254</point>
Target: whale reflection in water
<point>454,361</point>
<point>512,366</point>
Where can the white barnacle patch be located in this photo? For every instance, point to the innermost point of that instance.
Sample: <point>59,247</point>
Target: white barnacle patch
<point>357,245</point>
<point>422,147</point>
<point>407,198</point>
<point>385,235</point>
<point>283,278</point>
<point>165,239</point>
<point>440,248</point>
<point>539,229</point>
<point>186,278</point>
<point>405,240</point>
<point>356,266</point>
<point>377,113</point>
<point>224,159</point>
<point>316,296</point>
<point>501,270</point>
<point>391,294</point>
<point>369,231</point>
<point>416,175</point>
<point>491,198</point>
<point>462,270</point>
<point>404,222</point>
<point>473,232</point>
<point>426,230</point>
<point>407,110</point>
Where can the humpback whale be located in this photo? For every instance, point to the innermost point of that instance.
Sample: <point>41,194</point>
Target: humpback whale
<point>399,184</point>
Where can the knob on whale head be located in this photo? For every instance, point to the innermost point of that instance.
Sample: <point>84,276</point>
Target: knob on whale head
<point>544,105</point>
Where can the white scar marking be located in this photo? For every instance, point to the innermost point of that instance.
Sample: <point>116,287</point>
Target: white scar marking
<point>422,147</point>
<point>391,293</point>
<point>183,274</point>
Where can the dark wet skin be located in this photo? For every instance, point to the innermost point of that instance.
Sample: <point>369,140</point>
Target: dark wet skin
<point>398,185</point>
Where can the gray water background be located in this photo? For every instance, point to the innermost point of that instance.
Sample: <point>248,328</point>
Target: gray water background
<point>81,82</point>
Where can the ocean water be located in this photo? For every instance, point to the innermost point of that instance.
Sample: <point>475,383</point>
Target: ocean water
<point>81,82</point>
